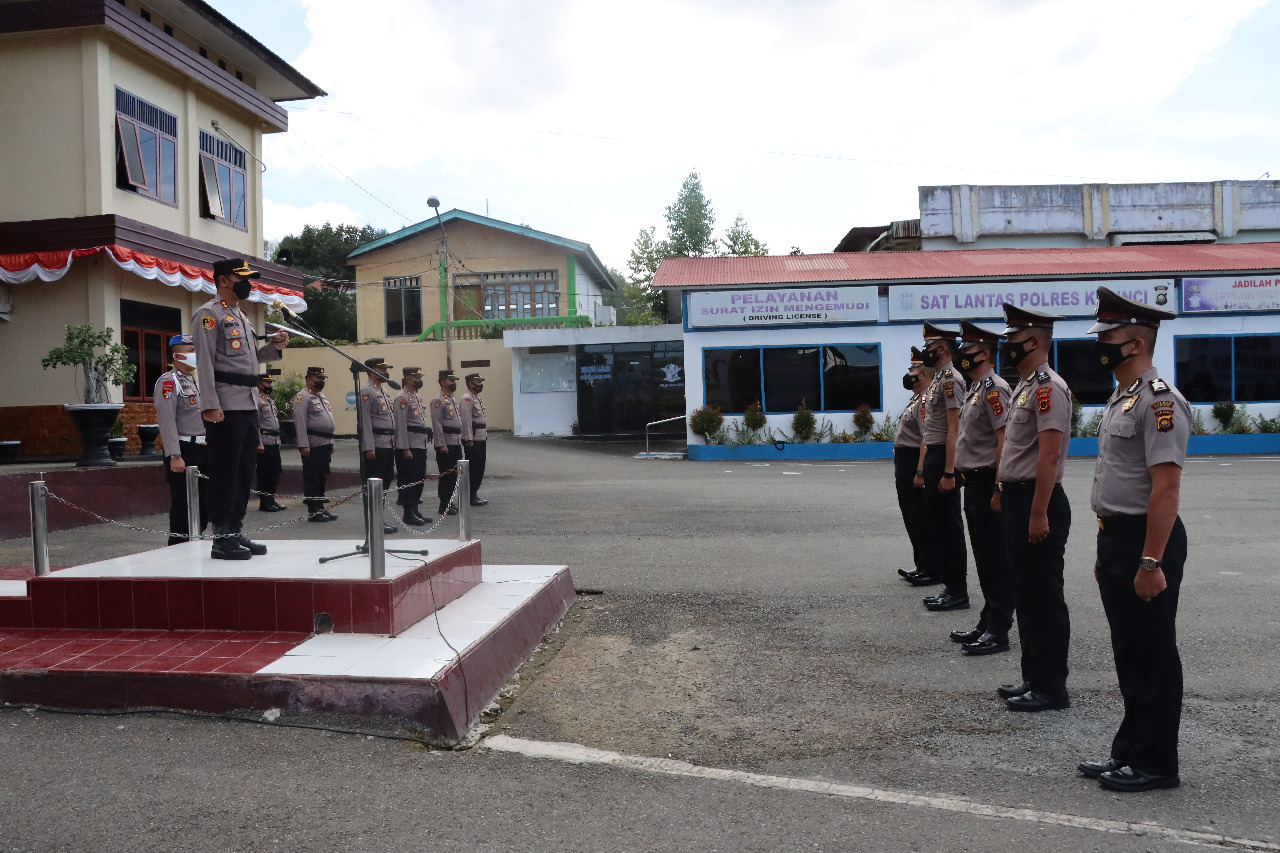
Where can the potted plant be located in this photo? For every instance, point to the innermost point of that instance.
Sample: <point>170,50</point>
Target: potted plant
<point>96,415</point>
<point>117,441</point>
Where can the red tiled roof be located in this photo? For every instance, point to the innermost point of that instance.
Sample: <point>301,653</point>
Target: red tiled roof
<point>978,264</point>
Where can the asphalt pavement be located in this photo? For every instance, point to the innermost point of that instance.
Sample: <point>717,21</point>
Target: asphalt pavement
<point>746,618</point>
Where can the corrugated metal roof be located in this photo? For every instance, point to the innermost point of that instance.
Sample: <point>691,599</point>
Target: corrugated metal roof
<point>977,264</point>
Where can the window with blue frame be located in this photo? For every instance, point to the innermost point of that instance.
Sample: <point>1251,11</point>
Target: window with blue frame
<point>826,377</point>
<point>1241,368</point>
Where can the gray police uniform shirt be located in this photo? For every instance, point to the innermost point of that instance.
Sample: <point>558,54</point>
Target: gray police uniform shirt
<point>986,407</point>
<point>177,399</point>
<point>446,421</point>
<point>411,422</point>
<point>1040,402</point>
<point>379,424</point>
<point>311,411</point>
<point>946,392</point>
<point>1148,423</point>
<point>268,419</point>
<point>226,343</point>
<point>474,425</point>
<point>908,432</point>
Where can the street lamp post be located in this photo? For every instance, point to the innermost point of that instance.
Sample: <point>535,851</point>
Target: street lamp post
<point>434,204</point>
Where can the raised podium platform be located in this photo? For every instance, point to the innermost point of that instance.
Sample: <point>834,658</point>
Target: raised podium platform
<point>432,643</point>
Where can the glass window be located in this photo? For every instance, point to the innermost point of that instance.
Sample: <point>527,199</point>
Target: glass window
<point>510,295</point>
<point>222,173</point>
<point>403,301</point>
<point>146,149</point>
<point>150,157</point>
<point>145,332</point>
<point>1075,364</point>
<point>731,378</point>
<point>850,377</point>
<point>1257,368</point>
<point>168,171</point>
<point>237,196</point>
<point>791,376</point>
<point>1202,368</point>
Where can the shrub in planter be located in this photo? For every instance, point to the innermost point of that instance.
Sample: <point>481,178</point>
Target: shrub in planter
<point>1222,413</point>
<point>863,421</point>
<point>1267,424</point>
<point>1197,424</point>
<point>844,437</point>
<point>754,417</point>
<point>1240,423</point>
<point>705,421</point>
<point>886,430</point>
<point>803,423</point>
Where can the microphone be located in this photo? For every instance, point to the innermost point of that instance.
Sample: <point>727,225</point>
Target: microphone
<point>286,312</point>
<point>395,386</point>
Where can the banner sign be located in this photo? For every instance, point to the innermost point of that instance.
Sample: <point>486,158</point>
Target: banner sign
<point>1210,295</point>
<point>972,301</point>
<point>782,307</point>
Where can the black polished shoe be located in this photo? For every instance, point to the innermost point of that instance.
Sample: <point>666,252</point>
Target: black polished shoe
<point>924,580</point>
<point>449,510</point>
<point>268,507</point>
<point>320,518</point>
<point>1094,769</point>
<point>279,506</point>
<point>987,644</point>
<point>1128,780</point>
<point>388,529</point>
<point>422,519</point>
<point>1033,702</point>
<point>948,601</point>
<point>1008,691</point>
<point>479,502</point>
<point>225,546</point>
<point>330,516</point>
<point>256,549</point>
<point>411,519</point>
<point>908,573</point>
<point>967,636</point>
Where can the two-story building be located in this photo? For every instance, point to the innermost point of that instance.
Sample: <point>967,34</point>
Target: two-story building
<point>132,160</point>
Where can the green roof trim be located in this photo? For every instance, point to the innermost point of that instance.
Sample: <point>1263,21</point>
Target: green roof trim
<point>583,250</point>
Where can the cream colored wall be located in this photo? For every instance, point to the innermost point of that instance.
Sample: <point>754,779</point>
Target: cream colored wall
<point>41,311</point>
<point>429,355</point>
<point>482,248</point>
<point>42,149</point>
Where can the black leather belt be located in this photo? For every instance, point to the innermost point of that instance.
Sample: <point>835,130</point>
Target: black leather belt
<point>275,432</point>
<point>245,380</point>
<point>451,430</point>
<point>319,433</point>
<point>417,430</point>
<point>1120,522</point>
<point>477,426</point>
<point>377,431</point>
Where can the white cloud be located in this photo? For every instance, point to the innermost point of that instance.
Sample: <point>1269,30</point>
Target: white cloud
<point>281,220</point>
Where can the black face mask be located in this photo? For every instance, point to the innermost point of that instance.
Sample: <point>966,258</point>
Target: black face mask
<point>242,288</point>
<point>265,389</point>
<point>452,386</point>
<point>968,361</point>
<point>318,385</point>
<point>931,358</point>
<point>1107,357</point>
<point>1013,351</point>
<point>908,381</point>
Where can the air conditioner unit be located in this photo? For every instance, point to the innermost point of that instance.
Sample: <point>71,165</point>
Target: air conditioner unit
<point>606,315</point>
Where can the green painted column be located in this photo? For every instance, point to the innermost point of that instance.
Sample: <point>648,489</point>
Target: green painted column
<point>444,289</point>
<point>571,279</point>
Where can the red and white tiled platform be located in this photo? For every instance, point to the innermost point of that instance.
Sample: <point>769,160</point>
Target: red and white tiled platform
<point>173,629</point>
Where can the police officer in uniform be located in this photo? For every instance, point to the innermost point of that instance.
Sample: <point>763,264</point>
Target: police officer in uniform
<point>936,471</point>
<point>907,436</point>
<point>475,434</point>
<point>227,349</point>
<point>313,424</point>
<point>177,400</point>
<point>413,437</point>
<point>1037,516</point>
<point>268,475</point>
<point>1142,545</point>
<point>982,420</point>
<point>446,425</point>
<point>378,429</point>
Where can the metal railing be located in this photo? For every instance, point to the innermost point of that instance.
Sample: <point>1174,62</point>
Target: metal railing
<point>657,423</point>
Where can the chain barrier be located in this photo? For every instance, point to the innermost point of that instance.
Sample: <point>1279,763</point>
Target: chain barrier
<point>427,479</point>
<point>453,501</point>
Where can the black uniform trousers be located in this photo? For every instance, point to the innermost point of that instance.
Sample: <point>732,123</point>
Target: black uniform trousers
<point>382,466</point>
<point>1044,623</point>
<point>946,527</point>
<point>268,474</point>
<point>315,474</point>
<point>232,454</point>
<point>911,503</point>
<point>990,551</point>
<point>1145,642</point>
<point>447,465</point>
<point>192,454</point>
<point>476,455</point>
<point>411,471</point>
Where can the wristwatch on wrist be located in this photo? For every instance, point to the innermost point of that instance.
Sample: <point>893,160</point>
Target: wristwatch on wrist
<point>1150,564</point>
<point>948,475</point>
<point>919,472</point>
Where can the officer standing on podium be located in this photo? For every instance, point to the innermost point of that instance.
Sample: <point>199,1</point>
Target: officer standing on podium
<point>1037,515</point>
<point>227,351</point>
<point>413,437</point>
<point>177,399</point>
<point>1142,545</point>
<point>268,478</point>
<point>378,429</point>
<point>906,457</point>
<point>475,434</point>
<point>313,423</point>
<point>446,425</point>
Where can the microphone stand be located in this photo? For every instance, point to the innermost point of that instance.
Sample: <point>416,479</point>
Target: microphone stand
<point>357,367</point>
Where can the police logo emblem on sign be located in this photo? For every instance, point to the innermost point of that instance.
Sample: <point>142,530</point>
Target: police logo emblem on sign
<point>993,397</point>
<point>207,323</point>
<point>1044,399</point>
<point>1164,415</point>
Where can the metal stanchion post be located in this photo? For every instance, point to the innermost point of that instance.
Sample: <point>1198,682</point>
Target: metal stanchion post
<point>373,523</point>
<point>464,500</point>
<point>193,503</point>
<point>39,528</point>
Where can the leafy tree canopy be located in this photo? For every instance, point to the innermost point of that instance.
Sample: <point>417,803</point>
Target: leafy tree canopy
<point>322,251</point>
<point>739,241</point>
<point>690,222</point>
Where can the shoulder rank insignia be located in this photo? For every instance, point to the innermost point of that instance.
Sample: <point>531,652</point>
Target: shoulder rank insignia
<point>993,397</point>
<point>1164,414</point>
<point>946,371</point>
<point>1044,399</point>
<point>298,399</point>
<point>1134,387</point>
<point>1043,376</point>
<point>989,382</point>
<point>949,388</point>
<point>1159,386</point>
<point>224,304</point>
<point>1130,403</point>
<point>207,323</point>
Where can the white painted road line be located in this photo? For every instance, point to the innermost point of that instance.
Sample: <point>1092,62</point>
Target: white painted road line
<point>573,753</point>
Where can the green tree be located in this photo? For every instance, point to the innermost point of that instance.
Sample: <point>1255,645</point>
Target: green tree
<point>646,254</point>
<point>322,251</point>
<point>690,222</point>
<point>739,241</point>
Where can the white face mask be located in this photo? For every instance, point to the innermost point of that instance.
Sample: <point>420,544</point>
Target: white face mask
<point>187,358</point>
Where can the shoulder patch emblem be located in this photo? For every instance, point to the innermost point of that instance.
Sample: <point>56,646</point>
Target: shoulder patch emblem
<point>298,399</point>
<point>402,402</point>
<point>1044,399</point>
<point>1159,386</point>
<point>1164,414</point>
<point>435,404</point>
<point>1133,387</point>
<point>167,389</point>
<point>949,388</point>
<point>207,323</point>
<point>364,397</point>
<point>993,398</point>
<point>235,343</point>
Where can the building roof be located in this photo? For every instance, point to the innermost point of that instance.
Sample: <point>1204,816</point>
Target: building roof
<point>583,250</point>
<point>970,264</point>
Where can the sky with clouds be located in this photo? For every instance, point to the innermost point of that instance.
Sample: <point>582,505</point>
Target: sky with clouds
<point>581,117</point>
